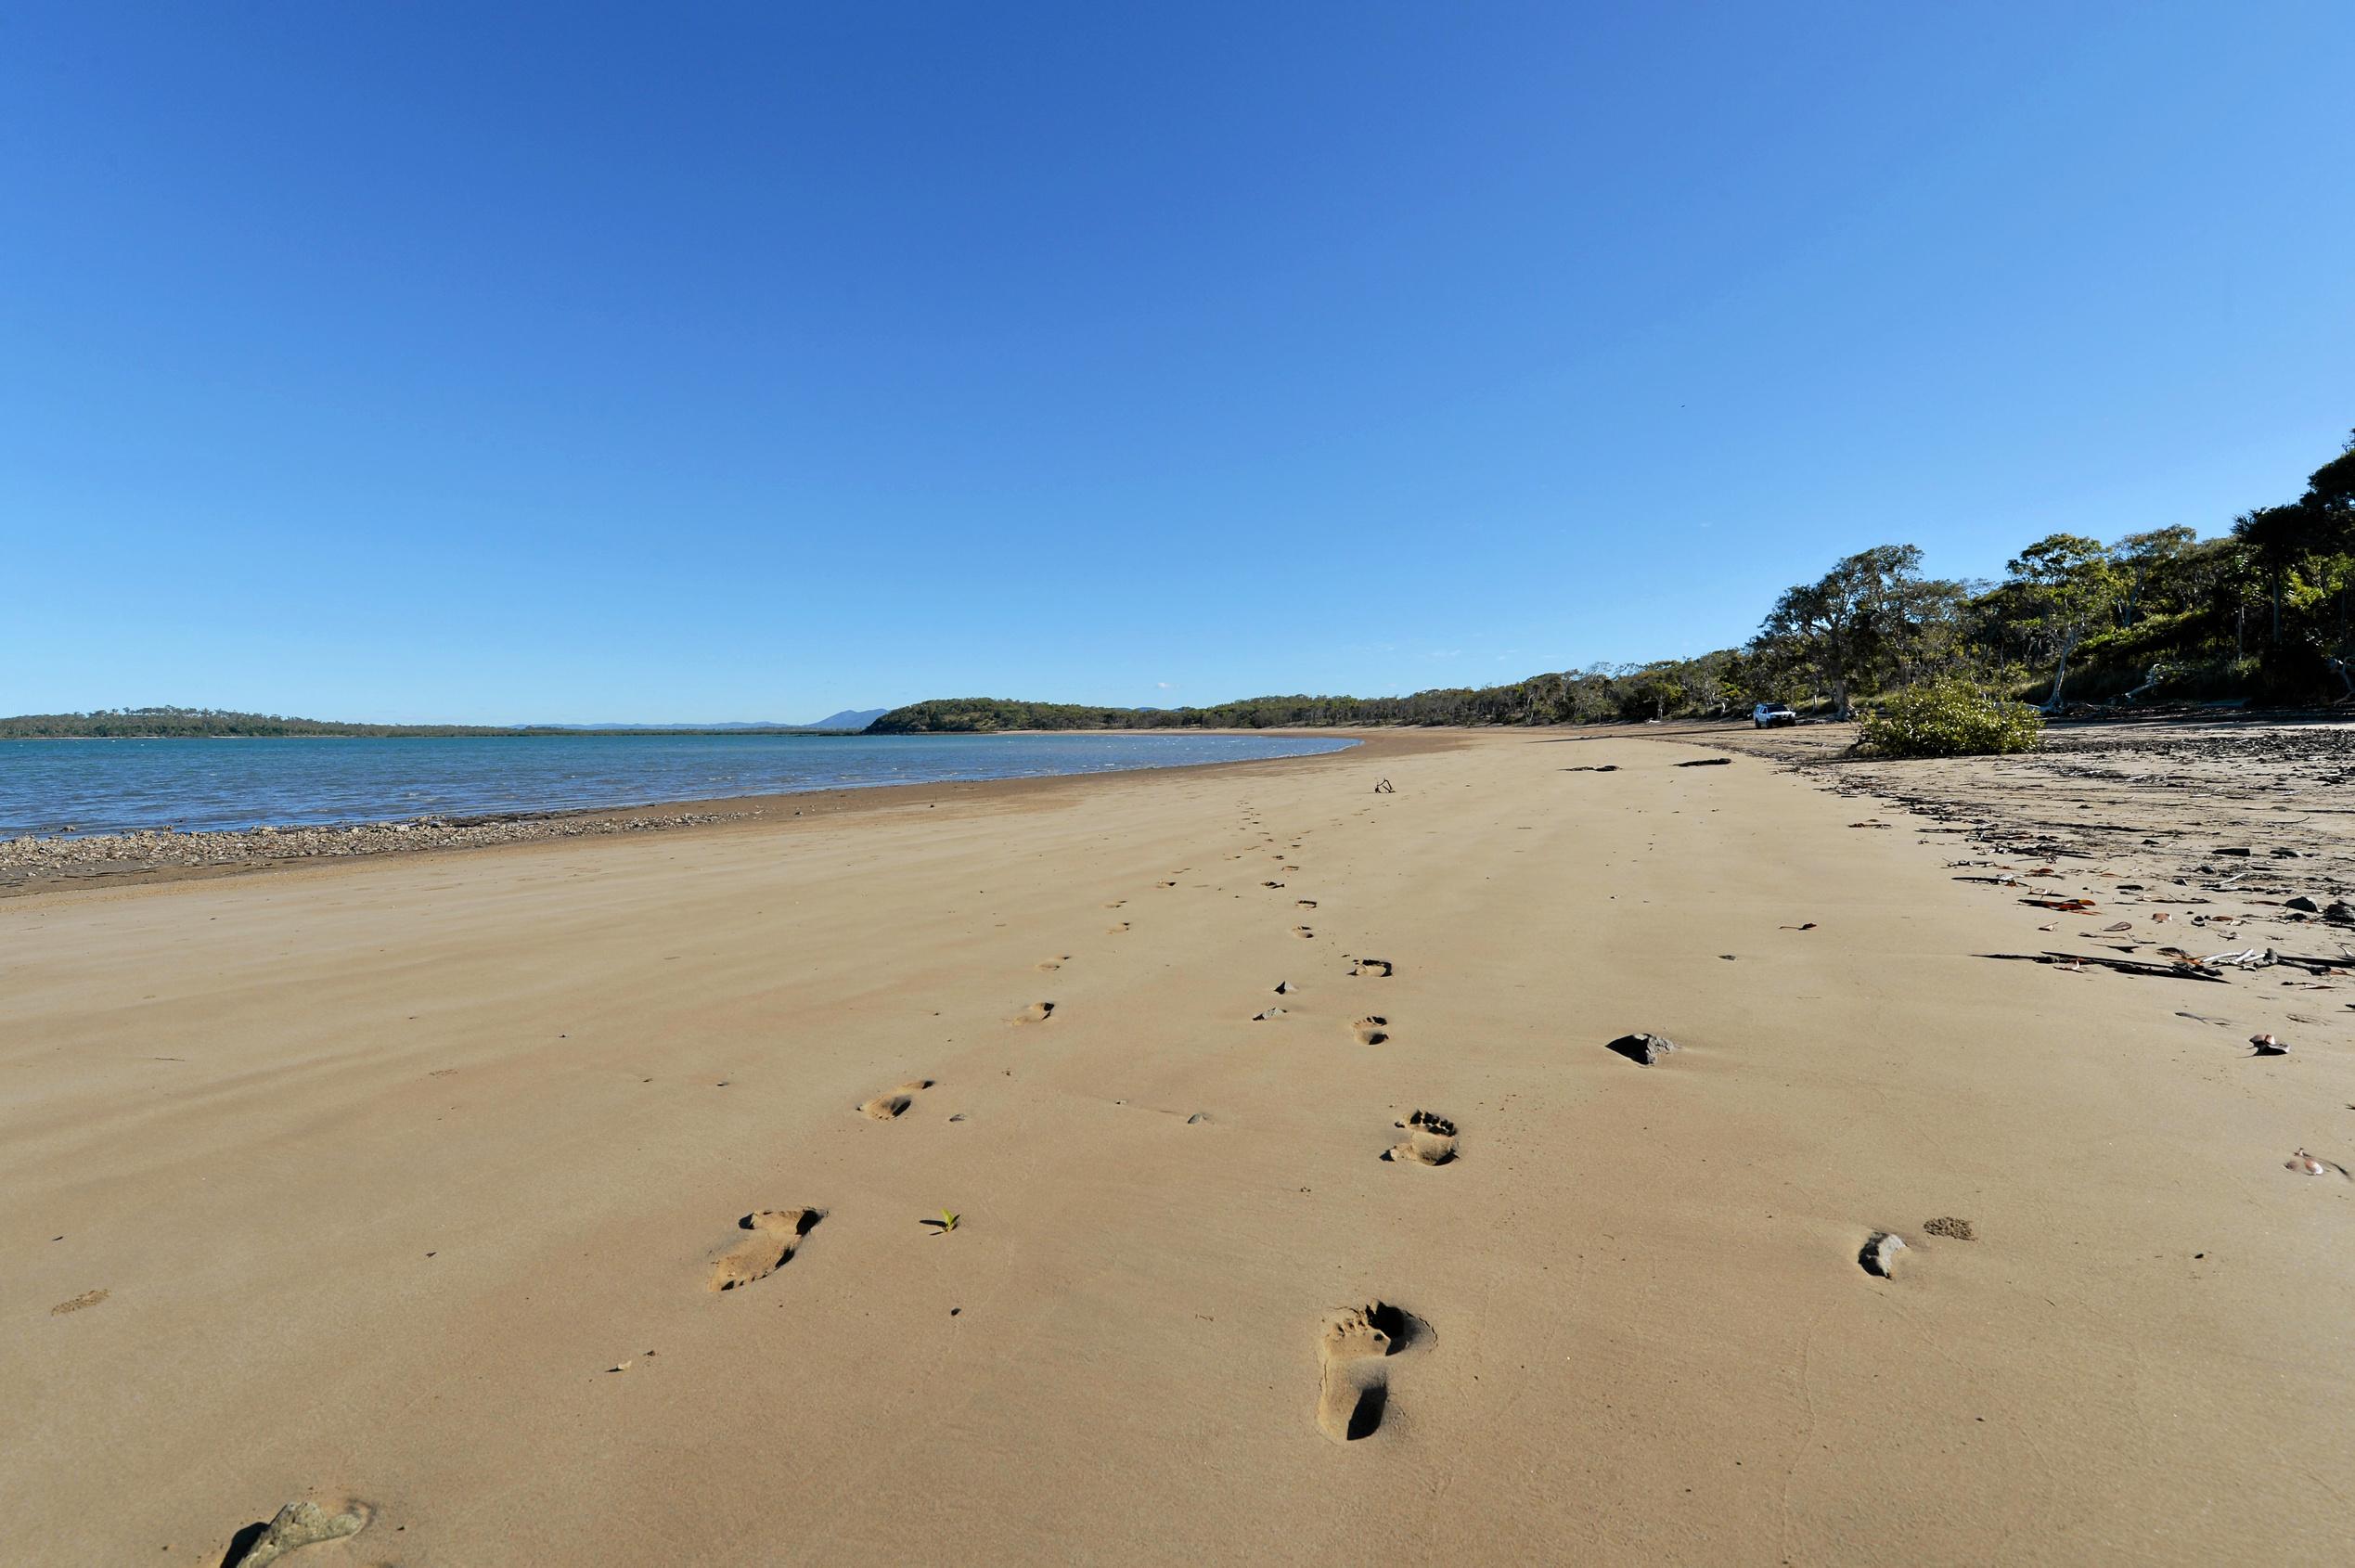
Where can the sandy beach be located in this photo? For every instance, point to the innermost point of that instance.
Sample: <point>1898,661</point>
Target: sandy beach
<point>565,1201</point>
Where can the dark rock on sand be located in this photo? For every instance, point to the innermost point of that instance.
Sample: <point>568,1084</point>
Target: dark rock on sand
<point>1646,1049</point>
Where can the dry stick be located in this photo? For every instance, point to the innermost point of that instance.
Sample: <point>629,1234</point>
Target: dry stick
<point>2124,966</point>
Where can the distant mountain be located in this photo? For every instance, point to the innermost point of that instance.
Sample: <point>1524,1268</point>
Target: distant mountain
<point>846,719</point>
<point>849,718</point>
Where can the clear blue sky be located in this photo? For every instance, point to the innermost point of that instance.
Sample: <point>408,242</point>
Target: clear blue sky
<point>565,362</point>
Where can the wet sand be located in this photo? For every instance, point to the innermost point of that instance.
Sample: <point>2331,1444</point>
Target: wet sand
<point>357,1185</point>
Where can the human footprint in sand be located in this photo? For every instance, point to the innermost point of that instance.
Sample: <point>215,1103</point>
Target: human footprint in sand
<point>1353,1350</point>
<point>776,1233</point>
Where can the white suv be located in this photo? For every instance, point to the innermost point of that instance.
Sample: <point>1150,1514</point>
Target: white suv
<point>1766,716</point>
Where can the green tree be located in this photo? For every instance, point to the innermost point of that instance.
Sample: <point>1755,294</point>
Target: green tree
<point>2067,581</point>
<point>2277,538</point>
<point>2143,557</point>
<point>1847,621</point>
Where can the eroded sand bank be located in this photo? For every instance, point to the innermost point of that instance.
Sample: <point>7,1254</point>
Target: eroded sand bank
<point>381,1168</point>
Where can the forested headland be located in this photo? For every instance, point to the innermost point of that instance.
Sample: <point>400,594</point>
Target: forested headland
<point>2263,612</point>
<point>149,723</point>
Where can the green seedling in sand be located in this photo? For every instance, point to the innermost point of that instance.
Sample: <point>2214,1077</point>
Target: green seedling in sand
<point>947,1223</point>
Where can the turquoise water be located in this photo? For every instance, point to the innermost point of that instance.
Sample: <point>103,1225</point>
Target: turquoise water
<point>117,786</point>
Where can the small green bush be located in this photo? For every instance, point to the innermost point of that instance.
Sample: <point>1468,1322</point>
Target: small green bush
<point>1948,718</point>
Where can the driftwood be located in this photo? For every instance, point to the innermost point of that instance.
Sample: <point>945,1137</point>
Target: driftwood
<point>2124,966</point>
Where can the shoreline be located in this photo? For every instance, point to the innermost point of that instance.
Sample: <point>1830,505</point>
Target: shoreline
<point>31,866</point>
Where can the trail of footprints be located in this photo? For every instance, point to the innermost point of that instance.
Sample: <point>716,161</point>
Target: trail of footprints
<point>1353,1347</point>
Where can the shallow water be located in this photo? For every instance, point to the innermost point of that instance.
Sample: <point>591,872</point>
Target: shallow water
<point>116,785</point>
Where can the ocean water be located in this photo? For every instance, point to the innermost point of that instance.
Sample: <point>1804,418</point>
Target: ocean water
<point>117,786</point>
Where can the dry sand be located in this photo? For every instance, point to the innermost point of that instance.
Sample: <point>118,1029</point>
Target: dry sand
<point>358,1187</point>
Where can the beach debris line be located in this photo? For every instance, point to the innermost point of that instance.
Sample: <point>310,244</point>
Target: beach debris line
<point>1879,1253</point>
<point>29,859</point>
<point>1645,1049</point>
<point>299,1524</point>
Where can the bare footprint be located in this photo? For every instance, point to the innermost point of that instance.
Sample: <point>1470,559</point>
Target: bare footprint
<point>1304,932</point>
<point>1354,1389</point>
<point>776,1232</point>
<point>1304,903</point>
<point>1115,930</point>
<point>298,1524</point>
<point>1430,1140</point>
<point>1037,1012</point>
<point>1370,969</point>
<point>1048,966</point>
<point>884,1107</point>
<point>1371,1030</point>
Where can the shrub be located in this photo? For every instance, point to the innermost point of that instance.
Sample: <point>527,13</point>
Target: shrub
<point>1948,718</point>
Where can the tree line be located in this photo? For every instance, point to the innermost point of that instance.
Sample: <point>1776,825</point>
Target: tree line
<point>149,723</point>
<point>2263,612</point>
<point>123,724</point>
